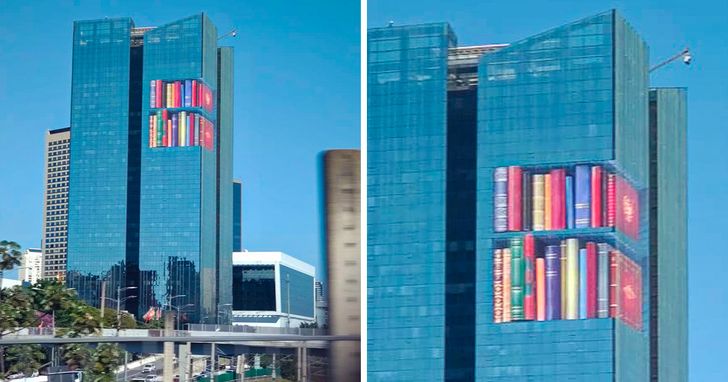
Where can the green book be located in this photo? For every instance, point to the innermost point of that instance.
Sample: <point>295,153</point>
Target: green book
<point>518,279</point>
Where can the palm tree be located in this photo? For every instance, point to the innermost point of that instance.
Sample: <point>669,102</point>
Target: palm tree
<point>10,256</point>
<point>25,359</point>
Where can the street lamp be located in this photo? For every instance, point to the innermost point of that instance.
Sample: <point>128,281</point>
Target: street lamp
<point>232,33</point>
<point>684,54</point>
<point>178,309</point>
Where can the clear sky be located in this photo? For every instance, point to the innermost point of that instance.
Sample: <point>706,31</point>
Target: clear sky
<point>667,26</point>
<point>296,93</point>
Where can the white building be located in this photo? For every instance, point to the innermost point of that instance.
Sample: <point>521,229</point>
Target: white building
<point>261,285</point>
<point>31,268</point>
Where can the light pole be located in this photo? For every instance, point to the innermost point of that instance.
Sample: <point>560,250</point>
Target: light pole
<point>233,33</point>
<point>178,309</point>
<point>170,306</point>
<point>119,300</point>
<point>684,54</point>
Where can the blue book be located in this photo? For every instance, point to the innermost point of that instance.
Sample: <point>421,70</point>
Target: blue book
<point>582,197</point>
<point>582,283</point>
<point>188,93</point>
<point>553,282</point>
<point>500,204</point>
<point>174,131</point>
<point>569,202</point>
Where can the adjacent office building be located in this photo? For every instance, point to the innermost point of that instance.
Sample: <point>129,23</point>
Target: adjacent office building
<point>55,203</point>
<point>150,201</point>
<point>31,267</point>
<point>342,243</point>
<point>510,223</point>
<point>272,289</point>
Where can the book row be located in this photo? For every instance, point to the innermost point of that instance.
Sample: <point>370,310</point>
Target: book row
<point>564,198</point>
<point>178,129</point>
<point>181,93</point>
<point>568,280</point>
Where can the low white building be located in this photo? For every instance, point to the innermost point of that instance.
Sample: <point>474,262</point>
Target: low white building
<point>31,268</point>
<point>272,289</point>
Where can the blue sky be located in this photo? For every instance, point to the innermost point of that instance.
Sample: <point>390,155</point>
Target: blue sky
<point>296,93</point>
<point>667,26</point>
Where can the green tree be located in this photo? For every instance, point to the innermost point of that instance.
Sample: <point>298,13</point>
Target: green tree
<point>76,356</point>
<point>10,256</point>
<point>104,362</point>
<point>25,359</point>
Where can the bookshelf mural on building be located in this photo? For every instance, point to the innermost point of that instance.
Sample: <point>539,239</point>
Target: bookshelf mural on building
<point>565,264</point>
<point>176,118</point>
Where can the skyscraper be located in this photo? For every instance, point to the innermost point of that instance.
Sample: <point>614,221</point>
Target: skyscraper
<point>151,119</point>
<point>237,215</point>
<point>31,265</point>
<point>508,195</point>
<point>55,203</point>
<point>668,235</point>
<point>342,231</point>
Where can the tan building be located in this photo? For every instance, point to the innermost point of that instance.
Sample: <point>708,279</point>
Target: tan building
<point>342,198</point>
<point>55,203</point>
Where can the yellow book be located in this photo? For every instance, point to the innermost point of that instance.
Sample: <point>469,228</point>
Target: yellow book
<point>538,202</point>
<point>547,202</point>
<point>182,129</point>
<point>169,95</point>
<point>506,284</point>
<point>572,279</point>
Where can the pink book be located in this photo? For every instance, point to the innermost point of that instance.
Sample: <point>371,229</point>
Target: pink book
<point>558,199</point>
<point>596,196</point>
<point>540,290</point>
<point>591,280</point>
<point>514,198</point>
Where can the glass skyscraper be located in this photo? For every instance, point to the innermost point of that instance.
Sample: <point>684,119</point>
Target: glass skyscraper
<point>151,143</point>
<point>509,206</point>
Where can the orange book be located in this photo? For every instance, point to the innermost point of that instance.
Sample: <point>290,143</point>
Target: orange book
<point>506,284</point>
<point>540,290</point>
<point>547,202</point>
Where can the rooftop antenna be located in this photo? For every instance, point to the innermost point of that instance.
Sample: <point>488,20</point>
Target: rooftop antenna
<point>232,33</point>
<point>685,54</point>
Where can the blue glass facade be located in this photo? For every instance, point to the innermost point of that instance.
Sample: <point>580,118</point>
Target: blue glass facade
<point>572,96</point>
<point>237,216</point>
<point>302,296</point>
<point>100,136</point>
<point>406,190</point>
<point>167,220</point>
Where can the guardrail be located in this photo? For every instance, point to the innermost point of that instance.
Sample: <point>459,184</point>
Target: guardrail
<point>257,329</point>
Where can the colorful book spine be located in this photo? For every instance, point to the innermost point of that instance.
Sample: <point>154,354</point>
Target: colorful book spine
<point>626,288</point>
<point>591,280</point>
<point>197,130</point>
<point>562,263</point>
<point>500,213</point>
<point>611,200</point>
<point>498,286</point>
<point>165,136</point>
<point>183,129</point>
<point>160,128</point>
<point>572,279</point>
<point>194,93</point>
<point>169,133</point>
<point>547,202</point>
<point>175,130</point>
<point>613,284</point>
<point>506,284</point>
<point>168,94</point>
<point>529,287</point>
<point>518,271</point>
<point>603,281</point>
<point>153,94</point>
<point>178,94</point>
<point>160,86</point>
<point>538,202</point>
<point>582,284</point>
<point>558,218</point>
<point>191,133</point>
<point>553,282</point>
<point>596,196</point>
<point>151,131</point>
<point>188,93</point>
<point>582,196</point>
<point>603,189</point>
<point>569,202</point>
<point>540,290</point>
<point>514,198</point>
<point>526,201</point>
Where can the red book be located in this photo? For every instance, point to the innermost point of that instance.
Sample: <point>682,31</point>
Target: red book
<point>625,290</point>
<point>558,199</point>
<point>628,208</point>
<point>514,198</point>
<point>178,94</point>
<point>591,280</point>
<point>158,94</point>
<point>529,290</point>
<point>190,130</point>
<point>194,93</point>
<point>611,200</point>
<point>596,196</point>
<point>200,86</point>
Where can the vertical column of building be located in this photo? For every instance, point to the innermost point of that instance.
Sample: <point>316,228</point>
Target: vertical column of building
<point>55,203</point>
<point>342,206</point>
<point>407,71</point>
<point>178,197</point>
<point>97,216</point>
<point>225,89</point>
<point>237,215</point>
<point>668,235</point>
